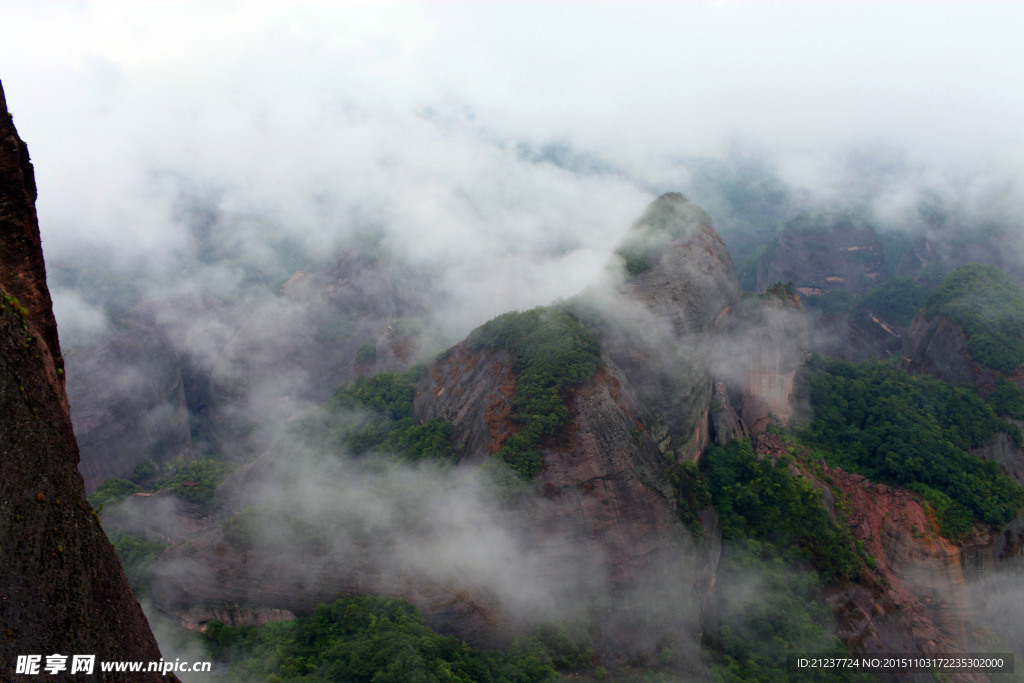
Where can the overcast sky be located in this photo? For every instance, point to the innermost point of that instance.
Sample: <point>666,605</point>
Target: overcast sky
<point>316,116</point>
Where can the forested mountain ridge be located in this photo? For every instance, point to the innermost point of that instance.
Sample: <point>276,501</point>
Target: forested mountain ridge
<point>590,486</point>
<point>594,418</point>
<point>970,330</point>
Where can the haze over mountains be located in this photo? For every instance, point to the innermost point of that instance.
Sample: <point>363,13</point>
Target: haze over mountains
<point>393,302</point>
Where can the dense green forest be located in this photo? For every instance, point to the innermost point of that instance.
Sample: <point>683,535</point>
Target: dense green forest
<point>777,533</point>
<point>192,480</point>
<point>913,432</point>
<point>758,498</point>
<point>766,609</point>
<point>552,353</point>
<point>989,308</point>
<point>376,639</point>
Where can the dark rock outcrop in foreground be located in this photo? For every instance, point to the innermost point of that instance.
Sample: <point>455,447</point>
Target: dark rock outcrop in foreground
<point>62,589</point>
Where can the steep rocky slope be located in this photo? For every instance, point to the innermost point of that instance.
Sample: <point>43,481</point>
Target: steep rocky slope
<point>920,604</point>
<point>658,311</point>
<point>764,342</point>
<point>920,592</point>
<point>939,347</point>
<point>63,590</point>
<point>190,374</point>
<point>128,400</point>
<point>971,331</point>
<point>823,252</point>
<point>607,518</point>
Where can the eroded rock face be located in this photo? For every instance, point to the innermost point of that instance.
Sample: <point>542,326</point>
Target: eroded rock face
<point>612,489</point>
<point>824,252</point>
<point>1003,450</point>
<point>923,594</point>
<point>599,532</point>
<point>938,347</point>
<point>658,311</point>
<point>63,589</point>
<point>688,278</point>
<point>763,343</point>
<point>129,404</point>
<point>473,390</point>
<point>921,603</point>
<point>858,336</point>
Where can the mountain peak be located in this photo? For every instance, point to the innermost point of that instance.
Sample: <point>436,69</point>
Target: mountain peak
<point>677,264</point>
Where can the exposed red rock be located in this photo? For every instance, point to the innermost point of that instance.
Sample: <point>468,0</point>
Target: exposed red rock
<point>473,389</point>
<point>915,599</point>
<point>920,594</point>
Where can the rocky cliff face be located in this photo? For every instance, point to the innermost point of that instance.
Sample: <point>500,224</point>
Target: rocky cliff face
<point>920,604</point>
<point>764,342</point>
<point>603,519</point>
<point>927,595</point>
<point>921,593</point>
<point>610,493</point>
<point>63,590</point>
<point>659,311</point>
<point>472,390</point>
<point>189,375</point>
<point>129,403</point>
<point>857,336</point>
<point>822,253</point>
<point>610,486</point>
<point>938,347</point>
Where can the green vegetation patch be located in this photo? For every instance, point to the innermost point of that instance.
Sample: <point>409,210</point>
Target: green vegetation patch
<point>898,299</point>
<point>138,557</point>
<point>192,480</point>
<point>278,528</point>
<point>989,308</point>
<point>1007,399</point>
<point>833,304</point>
<point>111,492</point>
<point>369,638</point>
<point>783,292</point>
<point>636,260</point>
<point>758,498</point>
<point>769,603</point>
<point>552,353</point>
<point>769,609</point>
<point>912,432</point>
<point>375,414</point>
<point>7,300</point>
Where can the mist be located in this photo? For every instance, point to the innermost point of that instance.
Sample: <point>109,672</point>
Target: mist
<point>239,199</point>
<point>506,146</point>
